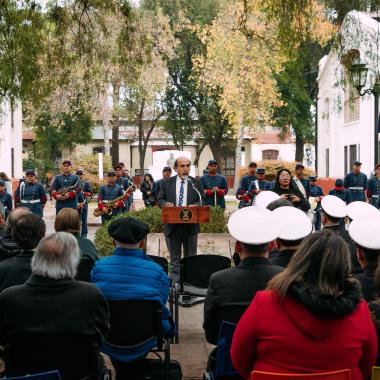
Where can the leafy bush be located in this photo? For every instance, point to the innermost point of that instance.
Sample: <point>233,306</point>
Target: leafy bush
<point>89,164</point>
<point>273,166</point>
<point>152,217</point>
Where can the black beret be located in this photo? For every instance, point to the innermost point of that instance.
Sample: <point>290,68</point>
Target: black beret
<point>167,168</point>
<point>128,230</point>
<point>66,162</point>
<point>213,162</point>
<point>30,172</point>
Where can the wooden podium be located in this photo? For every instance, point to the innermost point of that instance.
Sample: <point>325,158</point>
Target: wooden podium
<point>186,215</point>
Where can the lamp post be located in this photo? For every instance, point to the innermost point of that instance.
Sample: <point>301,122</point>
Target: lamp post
<point>358,76</point>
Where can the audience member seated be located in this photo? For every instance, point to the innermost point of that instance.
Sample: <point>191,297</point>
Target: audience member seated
<point>253,228</point>
<point>366,235</point>
<point>238,285</point>
<point>27,231</point>
<point>8,248</point>
<point>334,210</point>
<point>295,226</point>
<point>74,308</point>
<point>67,220</point>
<point>311,319</point>
<point>2,220</point>
<point>129,274</point>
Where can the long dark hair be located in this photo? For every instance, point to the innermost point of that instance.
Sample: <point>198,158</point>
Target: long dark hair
<point>321,263</point>
<point>150,177</point>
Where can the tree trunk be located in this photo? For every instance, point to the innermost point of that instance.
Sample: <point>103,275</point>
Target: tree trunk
<point>239,144</point>
<point>115,124</point>
<point>299,148</point>
<point>216,149</point>
<point>199,149</point>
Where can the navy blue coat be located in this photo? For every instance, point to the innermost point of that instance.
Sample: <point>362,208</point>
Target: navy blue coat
<point>316,191</point>
<point>61,181</point>
<point>6,200</point>
<point>28,192</point>
<point>211,181</point>
<point>352,180</point>
<point>344,195</point>
<point>373,191</point>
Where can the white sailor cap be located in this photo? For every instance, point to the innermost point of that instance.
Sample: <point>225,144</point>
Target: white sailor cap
<point>253,225</point>
<point>295,224</point>
<point>334,206</point>
<point>265,197</point>
<point>365,232</point>
<point>360,209</point>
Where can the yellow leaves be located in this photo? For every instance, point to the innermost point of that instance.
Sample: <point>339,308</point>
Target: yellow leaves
<point>240,64</point>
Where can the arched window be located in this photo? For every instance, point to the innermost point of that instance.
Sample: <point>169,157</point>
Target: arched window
<point>270,154</point>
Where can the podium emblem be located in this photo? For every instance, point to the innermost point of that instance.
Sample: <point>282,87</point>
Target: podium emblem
<point>185,215</point>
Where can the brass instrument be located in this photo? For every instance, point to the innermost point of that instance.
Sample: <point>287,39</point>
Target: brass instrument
<point>107,208</point>
<point>65,190</point>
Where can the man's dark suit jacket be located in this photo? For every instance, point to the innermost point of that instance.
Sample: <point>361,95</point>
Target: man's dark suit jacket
<point>235,286</point>
<point>168,194</point>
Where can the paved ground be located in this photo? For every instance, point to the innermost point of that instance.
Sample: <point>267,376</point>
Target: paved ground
<point>193,350</point>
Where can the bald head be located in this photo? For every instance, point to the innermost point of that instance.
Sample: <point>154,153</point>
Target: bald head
<point>13,216</point>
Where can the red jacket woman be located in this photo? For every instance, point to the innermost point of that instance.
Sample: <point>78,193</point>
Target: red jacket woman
<point>311,320</point>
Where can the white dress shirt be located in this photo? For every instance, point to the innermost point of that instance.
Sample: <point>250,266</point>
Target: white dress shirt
<point>178,186</point>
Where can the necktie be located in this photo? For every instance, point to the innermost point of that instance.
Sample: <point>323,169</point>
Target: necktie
<point>181,192</point>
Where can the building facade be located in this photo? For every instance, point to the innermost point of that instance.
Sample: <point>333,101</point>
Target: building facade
<point>346,119</point>
<point>11,140</point>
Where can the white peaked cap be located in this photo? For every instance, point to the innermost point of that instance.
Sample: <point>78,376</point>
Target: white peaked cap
<point>334,206</point>
<point>365,232</point>
<point>360,209</point>
<point>253,225</point>
<point>265,197</point>
<point>295,224</point>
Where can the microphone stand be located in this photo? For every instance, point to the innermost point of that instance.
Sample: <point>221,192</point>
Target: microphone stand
<point>197,191</point>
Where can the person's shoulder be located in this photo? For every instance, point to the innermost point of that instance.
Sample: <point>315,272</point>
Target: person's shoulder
<point>12,292</point>
<point>88,289</point>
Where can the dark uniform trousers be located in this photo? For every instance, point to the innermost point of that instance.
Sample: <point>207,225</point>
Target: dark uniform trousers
<point>179,236</point>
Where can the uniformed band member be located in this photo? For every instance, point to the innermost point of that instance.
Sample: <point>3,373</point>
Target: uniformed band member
<point>302,183</point>
<point>69,182</point>
<point>5,198</point>
<point>366,235</point>
<point>215,186</point>
<point>356,183</point>
<point>317,193</point>
<point>83,198</point>
<point>166,173</point>
<point>373,191</point>
<point>126,181</point>
<point>108,193</point>
<point>31,194</point>
<point>260,184</point>
<point>241,193</point>
<point>340,192</point>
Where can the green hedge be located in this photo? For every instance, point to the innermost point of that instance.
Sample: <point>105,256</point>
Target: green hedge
<point>152,217</point>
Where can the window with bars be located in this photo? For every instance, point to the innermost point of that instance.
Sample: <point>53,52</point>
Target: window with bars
<point>351,104</point>
<point>353,154</point>
<point>270,154</point>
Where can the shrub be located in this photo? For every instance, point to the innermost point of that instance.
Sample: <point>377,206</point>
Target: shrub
<point>273,166</point>
<point>89,164</point>
<point>152,217</point>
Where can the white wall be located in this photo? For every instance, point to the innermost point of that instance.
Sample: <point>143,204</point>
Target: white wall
<point>286,151</point>
<point>11,138</point>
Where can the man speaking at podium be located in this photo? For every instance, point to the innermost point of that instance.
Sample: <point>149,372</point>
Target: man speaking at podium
<point>181,190</point>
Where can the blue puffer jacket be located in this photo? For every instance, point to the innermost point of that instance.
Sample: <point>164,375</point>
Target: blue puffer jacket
<point>130,275</point>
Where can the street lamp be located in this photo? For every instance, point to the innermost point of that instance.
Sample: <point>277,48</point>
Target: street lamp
<point>358,77</point>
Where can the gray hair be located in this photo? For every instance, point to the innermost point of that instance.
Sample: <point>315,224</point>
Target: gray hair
<point>57,256</point>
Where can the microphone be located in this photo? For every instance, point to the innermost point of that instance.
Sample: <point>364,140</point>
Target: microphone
<point>188,179</point>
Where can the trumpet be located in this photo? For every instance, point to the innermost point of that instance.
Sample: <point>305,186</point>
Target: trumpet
<point>107,208</point>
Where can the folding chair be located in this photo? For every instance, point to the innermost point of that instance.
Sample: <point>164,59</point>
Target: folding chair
<point>136,330</point>
<point>72,356</point>
<point>344,374</point>
<point>195,273</point>
<point>173,295</point>
<point>51,375</point>
<point>224,368</point>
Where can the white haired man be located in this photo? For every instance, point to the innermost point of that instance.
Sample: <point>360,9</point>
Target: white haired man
<point>52,303</point>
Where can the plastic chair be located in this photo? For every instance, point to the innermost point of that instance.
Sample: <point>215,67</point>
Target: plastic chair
<point>51,375</point>
<point>195,273</point>
<point>344,374</point>
<point>134,325</point>
<point>161,261</point>
<point>375,373</point>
